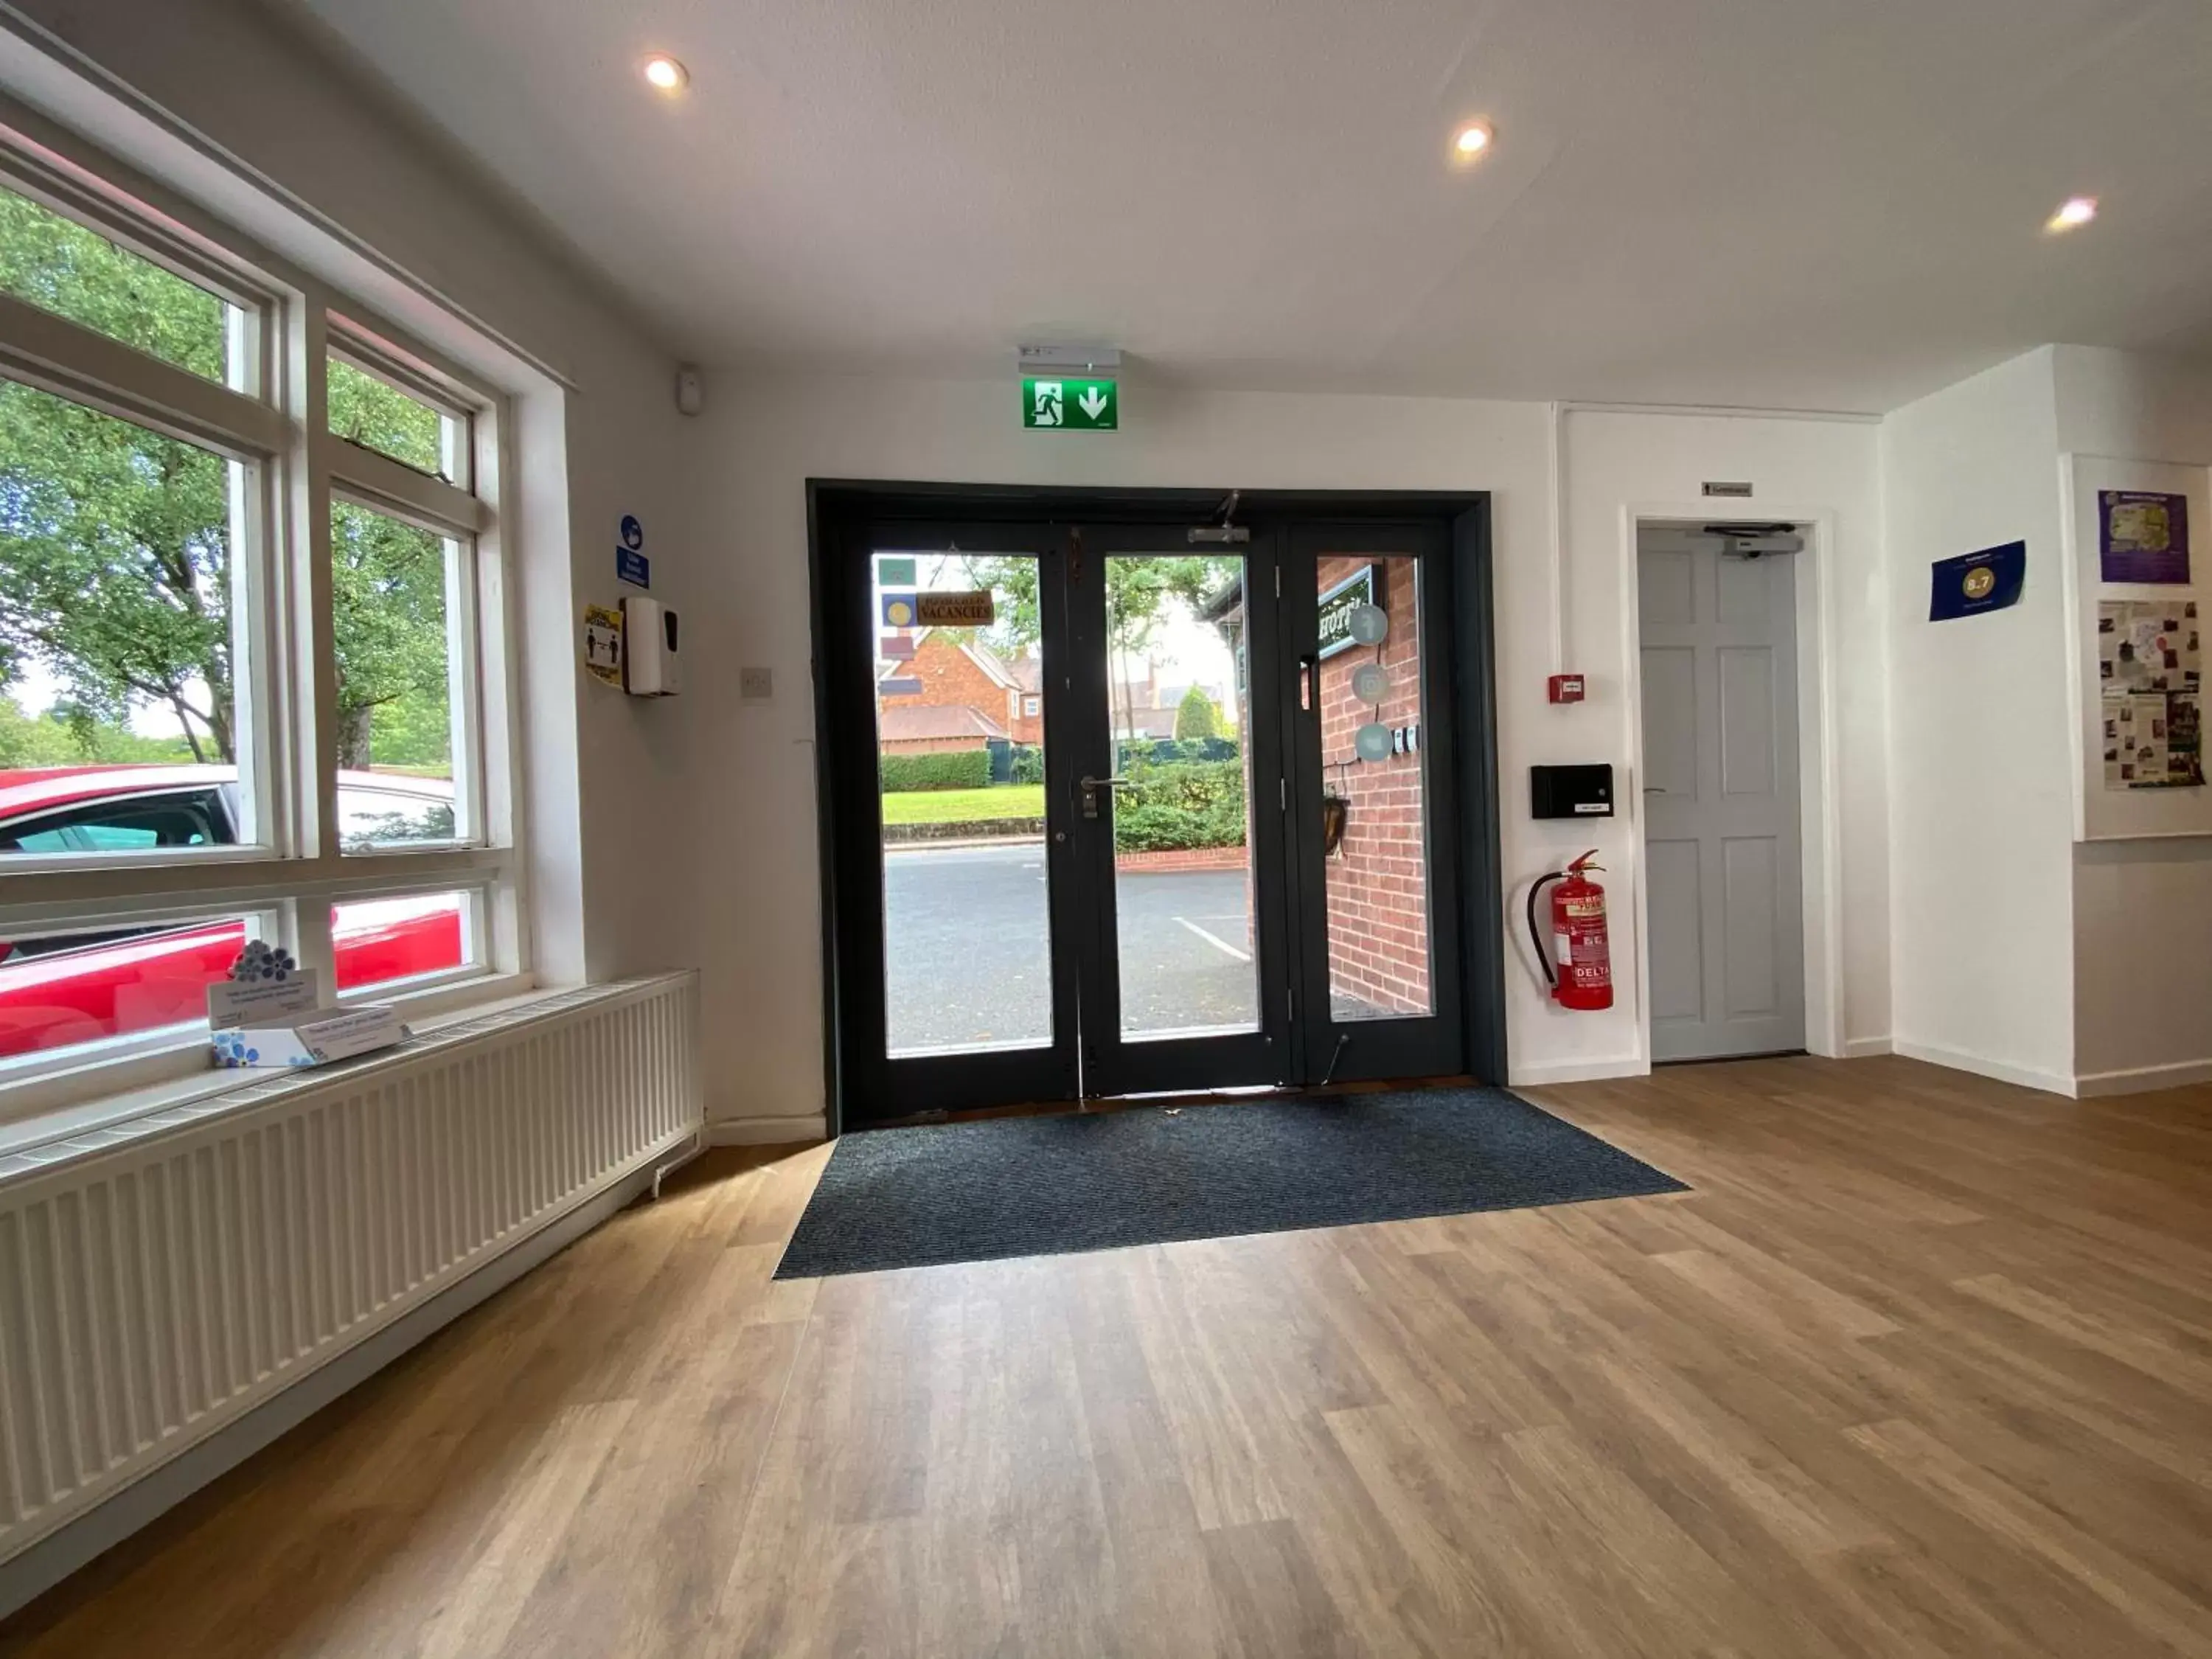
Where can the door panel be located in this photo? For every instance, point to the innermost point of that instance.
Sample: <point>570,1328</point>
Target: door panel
<point>1721,849</point>
<point>1670,690</point>
<point>954,990</point>
<point>1751,925</point>
<point>1369,714</point>
<point>1678,941</point>
<point>966,894</point>
<point>1184,928</point>
<point>1192,924</point>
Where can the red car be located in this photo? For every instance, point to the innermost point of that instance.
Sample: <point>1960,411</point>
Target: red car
<point>74,988</point>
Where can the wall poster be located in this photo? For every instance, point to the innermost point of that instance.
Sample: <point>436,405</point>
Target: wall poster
<point>2150,667</point>
<point>2142,536</point>
<point>2134,665</point>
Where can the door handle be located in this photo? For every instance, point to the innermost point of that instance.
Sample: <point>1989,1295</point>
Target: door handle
<point>1091,785</point>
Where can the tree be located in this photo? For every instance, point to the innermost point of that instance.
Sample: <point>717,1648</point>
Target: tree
<point>1139,588</point>
<point>66,736</point>
<point>1196,718</point>
<point>116,543</point>
<point>388,612</point>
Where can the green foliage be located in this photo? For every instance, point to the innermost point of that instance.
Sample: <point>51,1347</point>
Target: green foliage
<point>1196,718</point>
<point>380,417</point>
<point>1137,589</point>
<point>1173,807</point>
<point>57,263</point>
<point>1028,763</point>
<point>115,542</point>
<point>72,737</point>
<point>388,611</point>
<point>1167,751</point>
<point>959,768</point>
<point>114,564</point>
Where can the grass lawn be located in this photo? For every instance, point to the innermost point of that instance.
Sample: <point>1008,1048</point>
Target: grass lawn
<point>1005,800</point>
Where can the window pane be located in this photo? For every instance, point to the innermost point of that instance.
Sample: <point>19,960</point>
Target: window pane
<point>392,590</point>
<point>57,265</point>
<point>1373,790</point>
<point>56,990</point>
<point>967,920</point>
<point>381,417</point>
<point>118,644</point>
<point>1176,698</point>
<point>377,941</point>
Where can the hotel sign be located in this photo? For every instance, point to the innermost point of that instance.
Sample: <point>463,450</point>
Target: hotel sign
<point>1363,586</point>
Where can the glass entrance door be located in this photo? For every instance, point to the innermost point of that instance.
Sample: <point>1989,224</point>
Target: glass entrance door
<point>1121,813</point>
<point>1179,811</point>
<point>1375,797</point>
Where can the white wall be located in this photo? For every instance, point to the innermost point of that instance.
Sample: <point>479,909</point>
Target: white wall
<point>1980,761</point>
<point>758,913</point>
<point>2142,948</point>
<point>393,204</point>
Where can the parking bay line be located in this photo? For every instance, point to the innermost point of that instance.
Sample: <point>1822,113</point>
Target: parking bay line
<point>1215,940</point>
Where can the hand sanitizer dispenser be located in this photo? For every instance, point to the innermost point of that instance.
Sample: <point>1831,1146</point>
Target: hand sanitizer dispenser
<point>652,666</point>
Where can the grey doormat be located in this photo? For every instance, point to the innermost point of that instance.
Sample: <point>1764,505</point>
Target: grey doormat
<point>1044,1186</point>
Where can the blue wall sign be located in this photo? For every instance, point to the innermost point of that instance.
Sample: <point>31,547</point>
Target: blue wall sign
<point>632,533</point>
<point>631,567</point>
<point>1974,582</point>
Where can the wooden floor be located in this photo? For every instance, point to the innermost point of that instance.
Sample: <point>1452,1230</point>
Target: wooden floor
<point>1922,1366</point>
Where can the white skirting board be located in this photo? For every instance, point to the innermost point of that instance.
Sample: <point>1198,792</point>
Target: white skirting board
<point>1958,1060</point>
<point>1577,1071</point>
<point>768,1131</point>
<point>2143,1079</point>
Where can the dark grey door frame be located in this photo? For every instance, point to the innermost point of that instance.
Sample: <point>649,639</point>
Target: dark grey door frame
<point>839,509</point>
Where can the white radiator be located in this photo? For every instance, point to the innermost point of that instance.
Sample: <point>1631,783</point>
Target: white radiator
<point>165,1276</point>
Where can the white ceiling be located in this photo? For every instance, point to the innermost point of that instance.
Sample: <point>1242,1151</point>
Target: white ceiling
<point>1807,204</point>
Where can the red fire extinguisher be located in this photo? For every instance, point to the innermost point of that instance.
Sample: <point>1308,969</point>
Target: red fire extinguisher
<point>1583,978</point>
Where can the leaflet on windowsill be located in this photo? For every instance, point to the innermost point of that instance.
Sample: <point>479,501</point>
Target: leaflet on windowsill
<point>334,1036</point>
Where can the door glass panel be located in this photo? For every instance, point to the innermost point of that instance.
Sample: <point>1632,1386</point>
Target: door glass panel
<point>1373,805</point>
<point>1178,701</point>
<point>960,763</point>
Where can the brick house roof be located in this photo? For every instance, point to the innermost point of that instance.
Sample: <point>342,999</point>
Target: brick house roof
<point>907,722</point>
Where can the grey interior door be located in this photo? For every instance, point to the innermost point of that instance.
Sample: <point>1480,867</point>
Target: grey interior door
<point>1721,825</point>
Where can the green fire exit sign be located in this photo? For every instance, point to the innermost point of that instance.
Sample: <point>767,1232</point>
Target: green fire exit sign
<point>1070,405</point>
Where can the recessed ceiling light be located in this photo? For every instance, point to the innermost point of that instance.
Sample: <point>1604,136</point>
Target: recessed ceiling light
<point>1470,142</point>
<point>663,74</point>
<point>2074,215</point>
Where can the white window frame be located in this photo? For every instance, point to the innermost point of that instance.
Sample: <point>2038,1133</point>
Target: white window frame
<point>275,422</point>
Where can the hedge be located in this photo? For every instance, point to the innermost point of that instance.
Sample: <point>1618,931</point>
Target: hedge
<point>957,769</point>
<point>1170,751</point>
<point>1186,804</point>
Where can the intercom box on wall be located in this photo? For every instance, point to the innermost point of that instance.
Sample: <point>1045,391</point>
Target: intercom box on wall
<point>1571,792</point>
<point>652,666</point>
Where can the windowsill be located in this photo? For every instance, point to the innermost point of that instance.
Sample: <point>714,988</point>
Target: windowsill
<point>51,1134</point>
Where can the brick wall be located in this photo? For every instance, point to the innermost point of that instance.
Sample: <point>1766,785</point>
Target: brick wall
<point>1378,950</point>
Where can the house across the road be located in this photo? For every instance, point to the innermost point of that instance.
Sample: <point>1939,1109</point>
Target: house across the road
<point>917,694</point>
